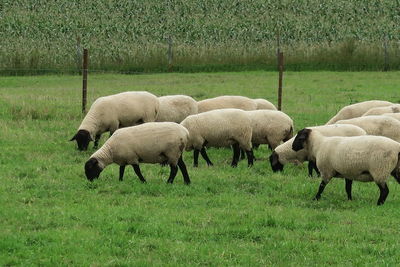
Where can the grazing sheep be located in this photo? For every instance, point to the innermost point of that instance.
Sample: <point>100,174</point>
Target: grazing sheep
<point>393,115</point>
<point>284,153</point>
<point>270,127</point>
<point>357,110</point>
<point>154,142</point>
<point>109,113</point>
<point>381,110</point>
<point>176,108</point>
<point>361,158</point>
<point>377,125</point>
<point>219,128</point>
<point>222,102</point>
<point>264,104</point>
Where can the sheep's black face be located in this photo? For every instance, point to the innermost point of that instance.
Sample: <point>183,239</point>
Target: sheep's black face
<point>275,164</point>
<point>92,169</point>
<point>82,138</point>
<point>301,138</point>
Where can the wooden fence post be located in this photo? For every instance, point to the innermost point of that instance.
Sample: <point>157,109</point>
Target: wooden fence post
<point>84,79</point>
<point>280,68</point>
<point>170,54</point>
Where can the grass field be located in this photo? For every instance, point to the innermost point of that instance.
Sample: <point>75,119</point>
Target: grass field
<point>50,215</point>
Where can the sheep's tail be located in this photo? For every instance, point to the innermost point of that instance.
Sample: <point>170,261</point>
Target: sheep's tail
<point>396,172</point>
<point>289,134</point>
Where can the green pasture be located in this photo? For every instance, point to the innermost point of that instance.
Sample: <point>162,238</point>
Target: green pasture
<point>50,215</point>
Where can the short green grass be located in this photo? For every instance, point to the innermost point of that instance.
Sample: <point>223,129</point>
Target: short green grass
<point>50,215</point>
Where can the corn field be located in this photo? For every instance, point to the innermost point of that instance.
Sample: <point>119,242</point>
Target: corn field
<point>39,36</point>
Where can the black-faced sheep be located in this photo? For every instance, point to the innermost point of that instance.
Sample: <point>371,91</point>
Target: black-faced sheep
<point>154,142</point>
<point>361,158</point>
<point>284,153</point>
<point>219,128</point>
<point>357,110</point>
<point>381,110</point>
<point>222,102</point>
<point>112,112</point>
<point>176,108</point>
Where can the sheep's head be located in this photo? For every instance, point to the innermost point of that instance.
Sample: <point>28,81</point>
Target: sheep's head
<point>82,138</point>
<point>301,139</point>
<point>275,164</point>
<point>92,169</point>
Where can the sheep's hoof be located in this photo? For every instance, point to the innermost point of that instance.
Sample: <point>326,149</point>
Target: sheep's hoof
<point>316,198</point>
<point>187,183</point>
<point>195,165</point>
<point>233,165</point>
<point>210,164</point>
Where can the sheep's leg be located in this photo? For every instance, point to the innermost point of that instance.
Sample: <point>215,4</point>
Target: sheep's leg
<point>242,154</point>
<point>349,184</point>
<point>96,141</point>
<point>121,172</point>
<point>205,156</point>
<point>182,167</point>
<point>384,191</point>
<point>250,157</point>
<point>172,174</point>
<point>196,157</point>
<point>236,154</point>
<point>396,174</point>
<point>138,172</point>
<point>312,166</point>
<point>320,190</point>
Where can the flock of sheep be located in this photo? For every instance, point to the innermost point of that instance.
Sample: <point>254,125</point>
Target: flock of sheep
<point>361,142</point>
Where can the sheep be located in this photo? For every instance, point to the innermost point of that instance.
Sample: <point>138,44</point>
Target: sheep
<point>264,104</point>
<point>381,110</point>
<point>270,127</point>
<point>357,110</point>
<point>153,142</point>
<point>111,112</point>
<point>219,128</point>
<point>284,153</point>
<point>176,108</point>
<point>222,102</point>
<point>377,125</point>
<point>393,115</point>
<point>361,158</point>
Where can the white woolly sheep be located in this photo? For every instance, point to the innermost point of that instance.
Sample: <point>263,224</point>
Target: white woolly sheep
<point>219,128</point>
<point>377,125</point>
<point>264,104</point>
<point>154,142</point>
<point>270,127</point>
<point>222,102</point>
<point>284,153</point>
<point>381,110</point>
<point>357,110</point>
<point>361,158</point>
<point>176,108</point>
<point>393,115</point>
<point>112,112</point>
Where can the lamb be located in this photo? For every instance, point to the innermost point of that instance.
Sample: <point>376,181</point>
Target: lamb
<point>357,110</point>
<point>153,142</point>
<point>264,104</point>
<point>270,127</point>
<point>219,128</point>
<point>222,102</point>
<point>176,108</point>
<point>377,125</point>
<point>284,153</point>
<point>361,158</point>
<point>111,112</point>
<point>381,110</point>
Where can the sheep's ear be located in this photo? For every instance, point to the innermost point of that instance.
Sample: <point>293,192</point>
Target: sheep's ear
<point>301,138</point>
<point>73,138</point>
